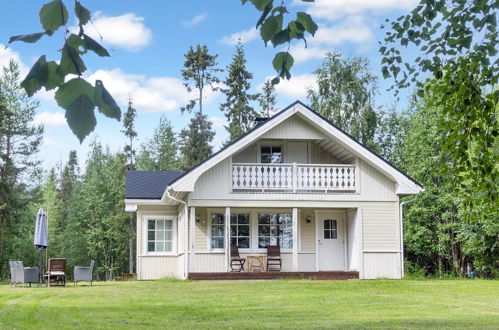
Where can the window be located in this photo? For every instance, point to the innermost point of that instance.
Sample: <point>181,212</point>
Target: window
<point>217,230</point>
<point>330,229</point>
<point>270,154</point>
<point>160,235</point>
<point>275,229</point>
<point>240,230</point>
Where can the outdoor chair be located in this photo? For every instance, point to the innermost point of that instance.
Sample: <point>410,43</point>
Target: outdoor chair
<point>83,274</point>
<point>23,275</point>
<point>274,260</point>
<point>236,262</point>
<point>56,271</point>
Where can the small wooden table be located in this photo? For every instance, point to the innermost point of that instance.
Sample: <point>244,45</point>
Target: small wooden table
<point>256,263</point>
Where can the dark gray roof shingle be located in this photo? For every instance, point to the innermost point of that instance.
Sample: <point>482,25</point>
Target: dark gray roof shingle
<point>148,184</point>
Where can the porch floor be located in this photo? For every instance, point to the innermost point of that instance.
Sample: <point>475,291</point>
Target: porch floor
<point>325,275</point>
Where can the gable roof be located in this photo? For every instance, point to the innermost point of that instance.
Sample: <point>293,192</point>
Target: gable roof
<point>148,184</point>
<point>405,184</point>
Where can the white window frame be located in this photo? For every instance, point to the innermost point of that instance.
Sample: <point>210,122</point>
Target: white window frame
<point>265,143</point>
<point>250,214</point>
<point>174,220</point>
<point>209,223</point>
<point>257,213</point>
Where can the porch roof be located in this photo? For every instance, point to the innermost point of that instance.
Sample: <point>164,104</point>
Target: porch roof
<point>148,184</point>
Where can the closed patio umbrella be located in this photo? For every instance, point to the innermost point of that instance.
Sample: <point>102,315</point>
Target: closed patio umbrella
<point>41,240</point>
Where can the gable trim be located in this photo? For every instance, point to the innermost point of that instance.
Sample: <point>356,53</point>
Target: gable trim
<point>405,185</point>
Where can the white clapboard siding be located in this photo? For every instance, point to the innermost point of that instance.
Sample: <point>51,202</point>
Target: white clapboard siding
<point>381,230</point>
<point>154,268</point>
<point>201,229</point>
<point>207,262</point>
<point>307,231</point>
<point>247,155</point>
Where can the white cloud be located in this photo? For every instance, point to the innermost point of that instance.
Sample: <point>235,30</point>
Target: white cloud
<point>219,122</point>
<point>126,31</point>
<point>245,37</point>
<point>49,142</point>
<point>334,9</point>
<point>302,54</point>
<point>195,20</point>
<point>50,119</point>
<point>150,94</point>
<point>6,54</point>
<point>296,87</point>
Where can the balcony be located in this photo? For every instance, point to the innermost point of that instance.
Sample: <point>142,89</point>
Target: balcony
<point>309,178</point>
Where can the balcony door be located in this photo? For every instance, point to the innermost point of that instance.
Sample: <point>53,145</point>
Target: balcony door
<point>297,152</point>
<point>330,240</point>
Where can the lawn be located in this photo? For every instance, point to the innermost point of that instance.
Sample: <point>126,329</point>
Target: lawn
<point>273,304</point>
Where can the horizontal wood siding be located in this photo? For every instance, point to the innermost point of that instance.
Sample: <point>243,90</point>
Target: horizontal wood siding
<point>207,262</point>
<point>306,262</point>
<point>201,230</point>
<point>381,227</point>
<point>307,231</point>
<point>381,265</point>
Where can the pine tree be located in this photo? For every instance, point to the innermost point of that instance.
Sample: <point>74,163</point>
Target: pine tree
<point>267,99</point>
<point>240,115</point>
<point>193,146</point>
<point>199,72</point>
<point>130,133</point>
<point>68,180</point>
<point>19,144</point>
<point>160,152</point>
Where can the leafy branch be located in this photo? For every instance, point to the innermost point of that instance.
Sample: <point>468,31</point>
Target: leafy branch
<point>272,28</point>
<point>77,96</point>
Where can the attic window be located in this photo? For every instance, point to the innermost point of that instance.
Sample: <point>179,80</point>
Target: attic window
<point>271,154</point>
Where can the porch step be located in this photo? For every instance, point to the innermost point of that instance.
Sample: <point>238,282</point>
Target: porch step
<point>331,275</point>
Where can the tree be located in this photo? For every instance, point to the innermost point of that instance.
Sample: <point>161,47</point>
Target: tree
<point>79,98</point>
<point>267,99</point>
<point>456,43</point>
<point>193,141</point>
<point>160,152</point>
<point>240,115</point>
<point>200,72</point>
<point>345,95</point>
<point>130,133</point>
<point>19,144</point>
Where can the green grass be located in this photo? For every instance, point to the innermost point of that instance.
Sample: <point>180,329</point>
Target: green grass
<point>273,304</point>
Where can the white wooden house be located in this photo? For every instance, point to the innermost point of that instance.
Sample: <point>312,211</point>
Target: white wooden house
<point>295,180</point>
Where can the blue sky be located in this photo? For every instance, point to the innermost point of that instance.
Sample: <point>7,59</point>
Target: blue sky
<point>147,40</point>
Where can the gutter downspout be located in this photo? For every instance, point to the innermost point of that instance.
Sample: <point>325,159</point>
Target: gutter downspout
<point>402,234</point>
<point>186,231</point>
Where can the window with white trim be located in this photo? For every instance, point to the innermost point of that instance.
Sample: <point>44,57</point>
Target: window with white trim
<point>160,235</point>
<point>240,230</point>
<point>217,230</point>
<point>271,154</point>
<point>275,229</point>
<point>330,229</point>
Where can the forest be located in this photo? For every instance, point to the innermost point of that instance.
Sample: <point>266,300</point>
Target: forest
<point>446,139</point>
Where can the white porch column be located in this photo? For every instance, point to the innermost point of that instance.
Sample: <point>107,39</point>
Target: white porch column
<point>295,239</point>
<point>227,238</point>
<point>192,238</point>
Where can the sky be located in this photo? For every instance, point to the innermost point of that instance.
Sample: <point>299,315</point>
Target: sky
<point>147,40</point>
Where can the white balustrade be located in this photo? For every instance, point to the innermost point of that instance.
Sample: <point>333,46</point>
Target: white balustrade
<point>294,177</point>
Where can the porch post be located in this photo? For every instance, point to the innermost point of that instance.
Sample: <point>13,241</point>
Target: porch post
<point>295,239</point>
<point>192,238</point>
<point>226,238</point>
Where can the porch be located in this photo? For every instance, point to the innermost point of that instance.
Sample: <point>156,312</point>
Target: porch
<point>315,243</point>
<point>325,275</point>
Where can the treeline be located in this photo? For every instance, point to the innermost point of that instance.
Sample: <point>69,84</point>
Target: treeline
<point>85,202</point>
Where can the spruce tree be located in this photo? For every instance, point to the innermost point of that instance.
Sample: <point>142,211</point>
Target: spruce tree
<point>240,115</point>
<point>267,99</point>
<point>130,133</point>
<point>199,73</point>
<point>193,144</point>
<point>160,152</point>
<point>19,144</point>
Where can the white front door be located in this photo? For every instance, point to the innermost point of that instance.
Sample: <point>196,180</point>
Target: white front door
<point>297,152</point>
<point>331,240</point>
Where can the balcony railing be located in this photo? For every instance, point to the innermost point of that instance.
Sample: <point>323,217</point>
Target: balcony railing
<point>294,177</point>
